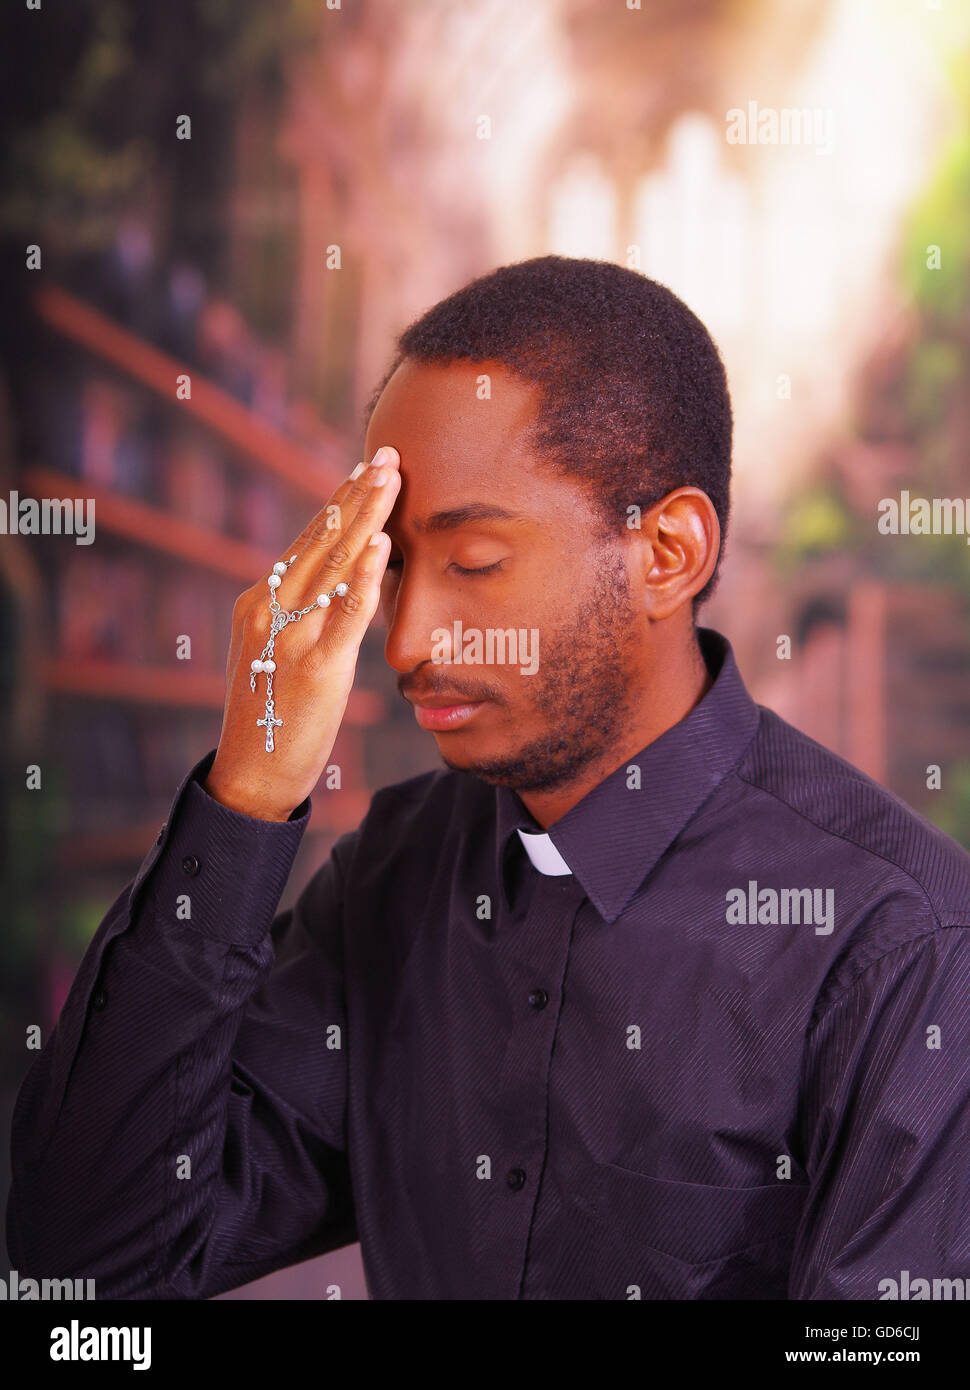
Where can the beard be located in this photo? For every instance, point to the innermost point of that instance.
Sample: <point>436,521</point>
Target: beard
<point>583,693</point>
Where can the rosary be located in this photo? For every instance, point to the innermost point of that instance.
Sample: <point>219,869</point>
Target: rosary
<point>280,618</point>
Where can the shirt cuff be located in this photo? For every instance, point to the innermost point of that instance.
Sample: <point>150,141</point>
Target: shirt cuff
<point>231,867</point>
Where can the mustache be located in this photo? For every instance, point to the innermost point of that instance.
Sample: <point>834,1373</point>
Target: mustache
<point>417,693</point>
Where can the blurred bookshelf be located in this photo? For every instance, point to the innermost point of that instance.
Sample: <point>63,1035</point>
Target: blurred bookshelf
<point>195,496</point>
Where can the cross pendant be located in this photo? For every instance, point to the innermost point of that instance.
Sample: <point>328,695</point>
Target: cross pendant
<point>269,721</point>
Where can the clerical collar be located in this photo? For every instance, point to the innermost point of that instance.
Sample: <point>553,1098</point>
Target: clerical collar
<point>614,837</point>
<point>543,853</point>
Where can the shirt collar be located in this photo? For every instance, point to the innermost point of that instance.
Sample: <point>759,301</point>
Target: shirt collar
<point>614,836</point>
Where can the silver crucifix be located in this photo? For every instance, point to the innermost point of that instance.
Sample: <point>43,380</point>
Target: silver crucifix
<point>269,722</point>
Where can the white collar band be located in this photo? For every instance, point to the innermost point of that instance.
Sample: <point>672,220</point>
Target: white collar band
<point>543,853</point>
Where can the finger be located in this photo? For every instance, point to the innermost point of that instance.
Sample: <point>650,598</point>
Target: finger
<point>333,519</point>
<point>338,559</point>
<point>278,575</point>
<point>352,613</point>
<point>326,525</point>
<point>354,490</point>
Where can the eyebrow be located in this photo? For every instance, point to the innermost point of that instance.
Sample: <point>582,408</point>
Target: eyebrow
<point>464,516</point>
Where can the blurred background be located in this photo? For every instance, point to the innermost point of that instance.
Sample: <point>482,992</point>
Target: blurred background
<point>343,168</point>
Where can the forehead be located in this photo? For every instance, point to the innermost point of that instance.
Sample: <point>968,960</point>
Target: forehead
<point>436,407</point>
<point>457,447</point>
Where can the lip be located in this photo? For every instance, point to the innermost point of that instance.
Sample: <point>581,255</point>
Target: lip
<point>444,717</point>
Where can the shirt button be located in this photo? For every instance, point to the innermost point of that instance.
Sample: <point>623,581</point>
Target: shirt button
<point>100,999</point>
<point>190,865</point>
<point>515,1178</point>
<point>538,998</point>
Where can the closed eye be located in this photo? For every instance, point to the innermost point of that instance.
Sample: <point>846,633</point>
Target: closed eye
<point>459,569</point>
<point>485,569</point>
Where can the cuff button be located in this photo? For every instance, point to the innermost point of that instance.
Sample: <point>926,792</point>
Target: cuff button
<point>190,865</point>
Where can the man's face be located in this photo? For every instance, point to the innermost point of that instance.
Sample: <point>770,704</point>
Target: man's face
<point>548,576</point>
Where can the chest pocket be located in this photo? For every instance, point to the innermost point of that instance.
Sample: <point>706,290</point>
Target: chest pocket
<point>691,1240</point>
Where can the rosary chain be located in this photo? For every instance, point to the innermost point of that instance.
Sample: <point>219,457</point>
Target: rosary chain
<point>265,662</point>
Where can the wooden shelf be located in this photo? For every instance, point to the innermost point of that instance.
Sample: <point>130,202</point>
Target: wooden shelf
<point>148,526</point>
<point>169,685</point>
<point>246,431</point>
<point>255,444</point>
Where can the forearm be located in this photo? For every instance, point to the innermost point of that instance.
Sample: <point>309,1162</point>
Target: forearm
<point>119,1131</point>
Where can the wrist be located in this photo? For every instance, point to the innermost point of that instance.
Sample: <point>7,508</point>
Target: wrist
<point>245,802</point>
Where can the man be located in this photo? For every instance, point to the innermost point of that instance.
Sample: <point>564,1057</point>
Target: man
<point>643,995</point>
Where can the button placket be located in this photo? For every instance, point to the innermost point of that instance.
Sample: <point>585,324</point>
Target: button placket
<point>539,947</point>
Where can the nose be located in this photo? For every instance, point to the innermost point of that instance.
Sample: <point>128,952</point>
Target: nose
<point>412,615</point>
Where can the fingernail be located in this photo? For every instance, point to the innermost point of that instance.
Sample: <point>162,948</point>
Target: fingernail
<point>383,455</point>
<point>358,470</point>
<point>378,480</point>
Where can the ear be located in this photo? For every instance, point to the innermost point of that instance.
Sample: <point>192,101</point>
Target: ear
<point>683,538</point>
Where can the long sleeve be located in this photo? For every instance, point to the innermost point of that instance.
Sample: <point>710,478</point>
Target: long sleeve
<point>888,1090</point>
<point>182,1132</point>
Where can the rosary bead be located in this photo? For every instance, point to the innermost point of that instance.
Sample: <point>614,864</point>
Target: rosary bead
<point>323,600</point>
<point>280,619</point>
<point>342,588</point>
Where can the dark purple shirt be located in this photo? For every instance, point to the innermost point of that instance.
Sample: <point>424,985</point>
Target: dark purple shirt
<point>726,1056</point>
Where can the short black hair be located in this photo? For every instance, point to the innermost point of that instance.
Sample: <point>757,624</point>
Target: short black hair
<point>634,397</point>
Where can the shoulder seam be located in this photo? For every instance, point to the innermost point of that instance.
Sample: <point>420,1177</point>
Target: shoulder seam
<point>827,830</point>
<point>860,978</point>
